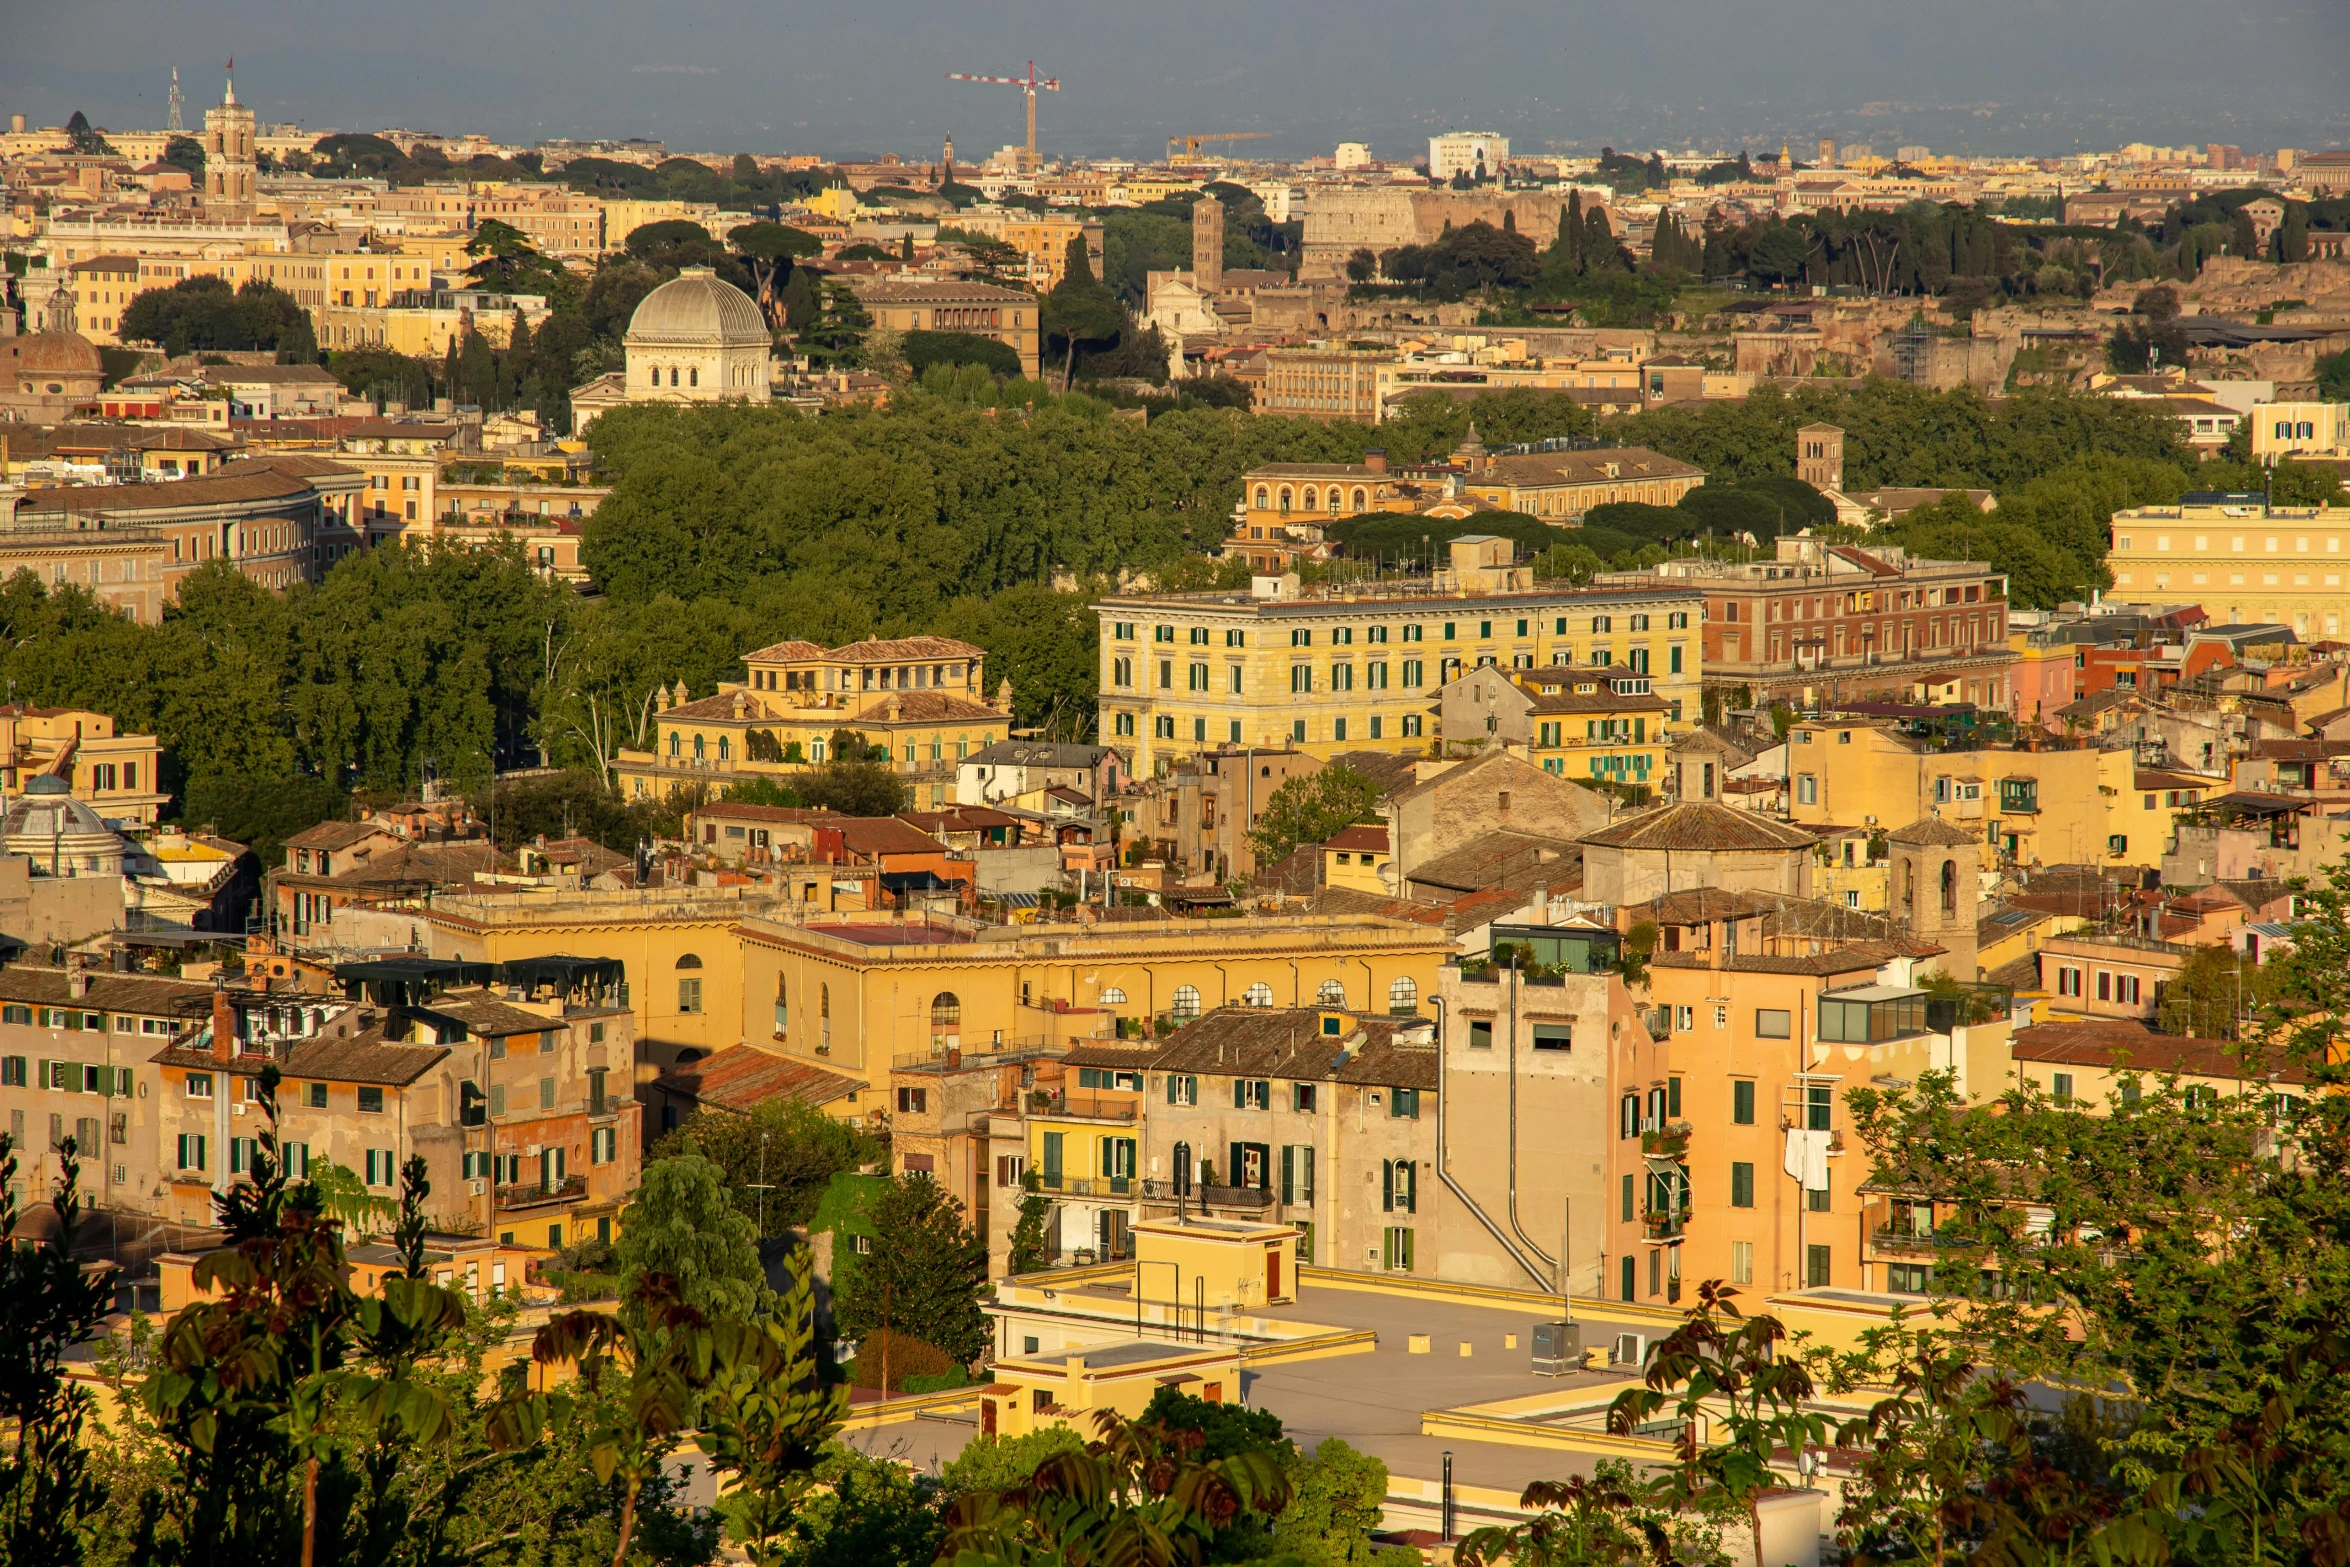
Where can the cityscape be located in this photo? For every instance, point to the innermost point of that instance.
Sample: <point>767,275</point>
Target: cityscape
<point>678,791</point>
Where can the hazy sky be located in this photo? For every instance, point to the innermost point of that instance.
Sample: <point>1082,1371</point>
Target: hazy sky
<point>1985,75</point>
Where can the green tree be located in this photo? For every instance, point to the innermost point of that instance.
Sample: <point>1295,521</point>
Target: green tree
<point>997,1463</point>
<point>683,1227</point>
<point>1029,1253</point>
<point>1337,1496</point>
<point>53,1306</point>
<point>924,349</point>
<point>1224,1430</point>
<point>767,1419</point>
<point>864,1512</point>
<point>201,314</point>
<point>85,141</point>
<point>2332,372</point>
<point>1595,1520</point>
<point>2219,994</point>
<point>1079,311</point>
<point>1138,1493</point>
<point>924,1275</point>
<point>184,153</point>
<point>505,262</point>
<point>791,1149</point>
<point>1309,808</point>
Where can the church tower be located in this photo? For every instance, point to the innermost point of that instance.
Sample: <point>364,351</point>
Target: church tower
<point>1819,456</point>
<point>1937,888</point>
<point>1207,245</point>
<point>231,178</point>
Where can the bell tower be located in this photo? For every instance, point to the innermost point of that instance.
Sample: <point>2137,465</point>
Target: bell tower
<point>1207,245</point>
<point>232,178</point>
<point>1937,889</point>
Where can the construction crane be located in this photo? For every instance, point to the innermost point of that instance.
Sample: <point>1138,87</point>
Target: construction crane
<point>1029,85</point>
<point>1191,144</point>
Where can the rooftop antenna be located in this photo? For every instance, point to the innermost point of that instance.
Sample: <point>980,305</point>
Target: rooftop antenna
<point>175,123</point>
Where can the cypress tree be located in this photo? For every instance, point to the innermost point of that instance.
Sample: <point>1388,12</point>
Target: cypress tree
<point>1571,230</point>
<point>1599,241</point>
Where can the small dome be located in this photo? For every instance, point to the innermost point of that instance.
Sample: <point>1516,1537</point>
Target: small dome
<point>58,832</point>
<point>51,353</point>
<point>697,308</point>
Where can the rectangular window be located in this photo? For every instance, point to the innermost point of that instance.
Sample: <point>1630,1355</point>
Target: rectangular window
<point>1252,1093</point>
<point>603,1145</point>
<point>191,1151</point>
<point>12,1072</point>
<point>916,1101</point>
<point>199,1085</point>
<point>1398,1250</point>
<point>371,1100</point>
<point>1819,1201</point>
<point>1816,1269</point>
<point>1630,1196</point>
<point>1741,1185</point>
<point>1297,1173</point>
<point>2061,1085</point>
<point>1404,1104</point>
<point>1301,1098</point>
<point>1182,1088</point>
<point>1742,1102</point>
<point>1773,1023</point>
<point>1673,1097</point>
<point>1807,789</point>
<point>1819,1105</point>
<point>1742,1262</point>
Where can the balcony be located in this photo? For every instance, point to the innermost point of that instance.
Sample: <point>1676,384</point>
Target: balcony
<point>1910,1241</point>
<point>1659,1225</point>
<point>538,1195</point>
<point>1671,1141</point>
<point>1089,1185</point>
<point>1235,1196</point>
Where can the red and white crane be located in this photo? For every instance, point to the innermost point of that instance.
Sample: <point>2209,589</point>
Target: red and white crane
<point>1029,85</point>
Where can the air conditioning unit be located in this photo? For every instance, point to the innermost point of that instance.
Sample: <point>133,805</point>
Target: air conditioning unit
<point>1627,1350</point>
<point>1558,1348</point>
<point>475,1186</point>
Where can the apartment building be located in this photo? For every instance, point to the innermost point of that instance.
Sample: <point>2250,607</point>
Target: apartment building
<point>921,700</point>
<point>520,1100</point>
<point>1588,724</point>
<point>1339,668</point>
<point>117,775</point>
<point>1009,315</point>
<point>2054,805</point>
<point>76,1061</point>
<point>1824,622</point>
<point>2245,561</point>
<point>1326,382</point>
<point>860,993</point>
<point>1315,1117</point>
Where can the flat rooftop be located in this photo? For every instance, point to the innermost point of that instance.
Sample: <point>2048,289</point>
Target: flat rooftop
<point>880,934</point>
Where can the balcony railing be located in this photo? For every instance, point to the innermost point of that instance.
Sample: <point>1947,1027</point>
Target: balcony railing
<point>537,1193</point>
<point>1089,1185</point>
<point>1892,1237</point>
<point>1236,1196</point>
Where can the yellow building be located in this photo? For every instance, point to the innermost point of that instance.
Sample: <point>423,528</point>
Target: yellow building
<point>836,202</point>
<point>117,775</point>
<point>1009,315</point>
<point>1065,1390</point>
<point>2282,430</point>
<point>1604,725</point>
<point>1042,237</point>
<point>1356,859</point>
<point>1336,669</point>
<point>402,465</point>
<point>859,992</point>
<point>922,699</point>
<point>2246,562</point>
<point>1324,381</point>
<point>677,946</point>
<point>2077,806</point>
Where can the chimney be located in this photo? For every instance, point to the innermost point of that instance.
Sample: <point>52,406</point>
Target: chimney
<point>1376,459</point>
<point>224,1023</point>
<point>16,125</point>
<point>77,975</point>
<point>954,1058</point>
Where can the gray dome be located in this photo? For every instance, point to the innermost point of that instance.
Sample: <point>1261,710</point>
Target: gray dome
<point>698,309</point>
<point>57,831</point>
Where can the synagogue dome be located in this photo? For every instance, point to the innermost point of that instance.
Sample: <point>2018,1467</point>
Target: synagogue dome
<point>698,309</point>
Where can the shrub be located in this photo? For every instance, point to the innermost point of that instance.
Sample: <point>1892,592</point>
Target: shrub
<point>907,1357</point>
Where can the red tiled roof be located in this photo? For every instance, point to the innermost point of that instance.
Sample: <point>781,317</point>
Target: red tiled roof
<point>742,1076</point>
<point>1359,837</point>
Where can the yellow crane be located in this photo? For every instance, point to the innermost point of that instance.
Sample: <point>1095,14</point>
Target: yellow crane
<point>1192,144</point>
<point>1030,85</point>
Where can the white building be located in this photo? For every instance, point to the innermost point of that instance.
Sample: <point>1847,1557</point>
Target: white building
<point>695,339</point>
<point>1353,155</point>
<point>1478,154</point>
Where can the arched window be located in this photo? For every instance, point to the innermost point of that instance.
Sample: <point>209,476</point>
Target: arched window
<point>946,1020</point>
<point>1403,996</point>
<point>1332,994</point>
<point>1285,500</point>
<point>672,742</point>
<point>673,375</point>
<point>1182,1169</point>
<point>1950,886</point>
<point>1259,994</point>
<point>689,961</point>
<point>1113,997</point>
<point>1186,1003</point>
<point>698,748</point>
<point>1262,500</point>
<point>1362,499</point>
<point>1308,498</point>
<point>782,1008</point>
<point>693,377</point>
<point>824,1002</point>
<point>725,748</point>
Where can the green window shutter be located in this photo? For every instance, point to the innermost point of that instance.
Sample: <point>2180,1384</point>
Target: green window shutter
<point>1306,1184</point>
<point>1741,1185</point>
<point>1233,1170</point>
<point>1289,1172</point>
<point>1628,1214</point>
<point>1673,1096</point>
<point>1052,1156</point>
<point>1742,1103</point>
<point>1387,1185</point>
<point>1240,1093</point>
